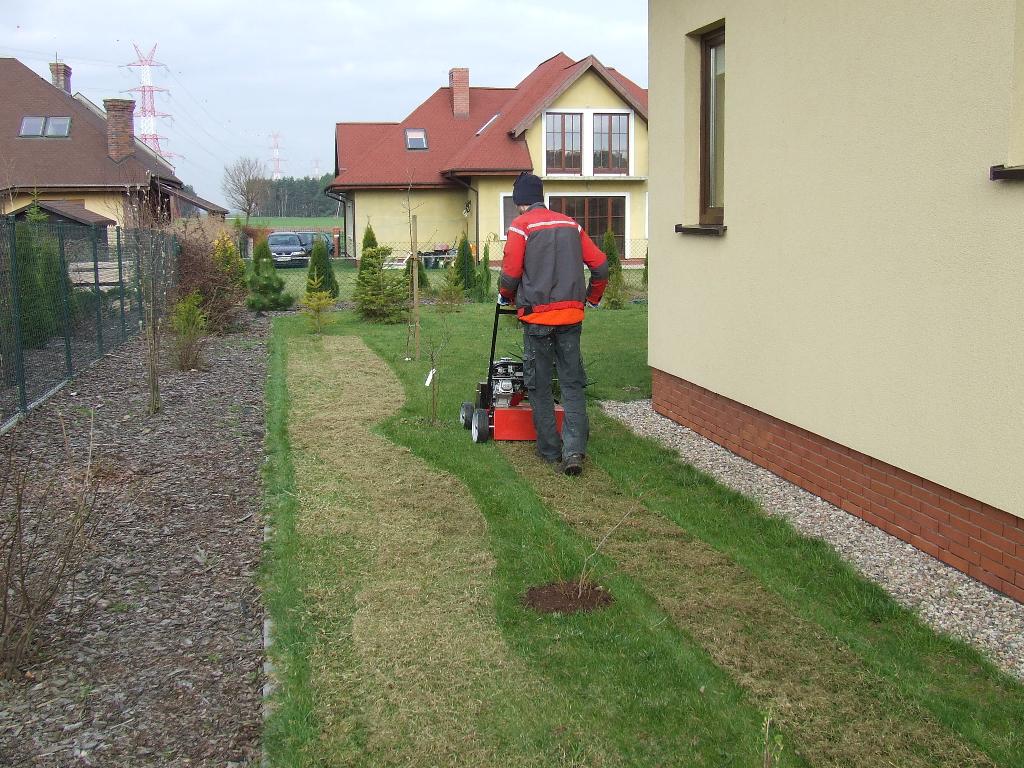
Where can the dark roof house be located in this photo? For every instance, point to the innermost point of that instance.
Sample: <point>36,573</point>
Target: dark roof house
<point>54,145</point>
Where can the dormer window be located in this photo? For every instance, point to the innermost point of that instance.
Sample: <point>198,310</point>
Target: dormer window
<point>53,127</point>
<point>415,138</point>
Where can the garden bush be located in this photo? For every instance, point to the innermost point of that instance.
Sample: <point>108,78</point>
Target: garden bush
<point>266,288</point>
<point>452,293</point>
<point>320,276</point>
<point>611,250</point>
<point>483,277</point>
<point>189,323</point>
<point>215,271</point>
<point>42,284</point>
<point>465,268</point>
<point>381,295</point>
<point>369,238</point>
<point>424,281</point>
<point>316,303</point>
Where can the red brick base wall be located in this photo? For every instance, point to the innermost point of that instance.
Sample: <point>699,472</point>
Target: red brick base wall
<point>980,540</point>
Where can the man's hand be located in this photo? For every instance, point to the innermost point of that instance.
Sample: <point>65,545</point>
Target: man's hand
<point>502,301</point>
<point>591,305</point>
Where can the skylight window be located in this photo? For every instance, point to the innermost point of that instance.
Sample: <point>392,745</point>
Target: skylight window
<point>415,138</point>
<point>484,126</point>
<point>57,126</point>
<point>32,126</point>
<point>52,127</point>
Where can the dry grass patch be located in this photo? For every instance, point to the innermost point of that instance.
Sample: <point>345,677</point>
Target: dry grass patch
<point>832,708</point>
<point>408,664</point>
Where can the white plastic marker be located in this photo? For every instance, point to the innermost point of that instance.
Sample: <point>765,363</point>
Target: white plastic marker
<point>430,377</point>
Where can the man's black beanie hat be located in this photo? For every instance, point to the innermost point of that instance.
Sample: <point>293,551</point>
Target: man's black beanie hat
<point>527,190</point>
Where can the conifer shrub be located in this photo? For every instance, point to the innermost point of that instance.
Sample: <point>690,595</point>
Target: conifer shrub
<point>464,266</point>
<point>316,303</point>
<point>424,281</point>
<point>42,283</point>
<point>381,295</point>
<point>188,321</point>
<point>483,276</point>
<point>266,288</point>
<point>321,272</point>
<point>369,238</point>
<point>615,295</point>
<point>611,250</point>
<point>452,293</point>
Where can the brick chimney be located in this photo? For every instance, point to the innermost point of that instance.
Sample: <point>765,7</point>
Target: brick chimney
<point>120,128</point>
<point>60,76</point>
<point>458,81</point>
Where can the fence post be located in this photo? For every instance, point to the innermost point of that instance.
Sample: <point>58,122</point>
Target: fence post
<point>19,359</point>
<point>120,281</point>
<point>99,295</point>
<point>64,280</point>
<point>138,282</point>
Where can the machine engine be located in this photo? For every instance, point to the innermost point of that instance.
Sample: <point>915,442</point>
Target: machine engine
<point>507,384</point>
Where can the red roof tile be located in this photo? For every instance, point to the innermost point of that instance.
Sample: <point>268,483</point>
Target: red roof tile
<point>374,154</point>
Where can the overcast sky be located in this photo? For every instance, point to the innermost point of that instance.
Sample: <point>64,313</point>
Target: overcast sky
<point>236,72</point>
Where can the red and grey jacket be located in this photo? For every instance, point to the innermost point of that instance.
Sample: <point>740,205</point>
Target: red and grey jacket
<point>542,271</point>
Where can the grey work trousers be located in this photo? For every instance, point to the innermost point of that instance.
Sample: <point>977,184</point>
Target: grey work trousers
<point>557,345</point>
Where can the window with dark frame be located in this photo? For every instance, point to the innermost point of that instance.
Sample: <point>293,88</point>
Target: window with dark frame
<point>712,128</point>
<point>415,138</point>
<point>49,127</point>
<point>596,215</point>
<point>563,142</point>
<point>611,143</point>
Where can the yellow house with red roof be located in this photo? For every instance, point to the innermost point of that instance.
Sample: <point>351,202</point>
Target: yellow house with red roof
<point>580,126</point>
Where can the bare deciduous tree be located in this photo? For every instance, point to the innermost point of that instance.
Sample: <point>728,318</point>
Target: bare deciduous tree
<point>245,185</point>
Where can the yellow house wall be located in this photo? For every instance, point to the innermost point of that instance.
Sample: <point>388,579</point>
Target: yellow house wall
<point>438,213</point>
<point>106,204</point>
<point>590,94</point>
<point>869,286</point>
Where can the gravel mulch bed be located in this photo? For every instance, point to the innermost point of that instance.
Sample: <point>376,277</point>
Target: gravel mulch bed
<point>943,597</point>
<point>157,658</point>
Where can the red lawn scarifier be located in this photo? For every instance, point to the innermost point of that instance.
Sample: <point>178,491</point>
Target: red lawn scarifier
<point>501,410</point>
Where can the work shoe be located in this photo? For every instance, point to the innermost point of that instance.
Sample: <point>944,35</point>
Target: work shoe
<point>573,464</point>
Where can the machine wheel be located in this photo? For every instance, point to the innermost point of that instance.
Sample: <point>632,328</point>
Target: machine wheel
<point>481,428</point>
<point>466,415</point>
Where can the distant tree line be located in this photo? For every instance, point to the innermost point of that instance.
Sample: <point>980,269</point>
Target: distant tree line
<point>298,197</point>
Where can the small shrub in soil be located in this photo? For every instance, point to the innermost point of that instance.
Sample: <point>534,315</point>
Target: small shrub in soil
<point>567,597</point>
<point>321,272</point>
<point>611,250</point>
<point>369,239</point>
<point>381,296</point>
<point>451,294</point>
<point>188,321</point>
<point>483,278</point>
<point>464,266</point>
<point>266,288</point>
<point>47,531</point>
<point>316,304</point>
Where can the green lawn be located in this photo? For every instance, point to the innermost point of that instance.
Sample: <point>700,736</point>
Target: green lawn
<point>400,552</point>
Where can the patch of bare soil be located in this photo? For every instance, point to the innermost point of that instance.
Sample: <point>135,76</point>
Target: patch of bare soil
<point>567,597</point>
<point>156,657</point>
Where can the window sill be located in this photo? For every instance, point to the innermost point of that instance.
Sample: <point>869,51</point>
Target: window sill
<point>1002,173</point>
<point>712,230</point>
<point>602,177</point>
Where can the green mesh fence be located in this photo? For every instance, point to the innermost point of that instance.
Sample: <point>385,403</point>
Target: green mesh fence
<point>69,294</point>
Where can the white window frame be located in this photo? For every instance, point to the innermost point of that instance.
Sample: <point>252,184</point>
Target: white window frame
<point>502,224</point>
<point>417,131</point>
<point>587,142</point>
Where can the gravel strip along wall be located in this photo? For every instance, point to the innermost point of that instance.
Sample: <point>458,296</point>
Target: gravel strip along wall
<point>945,598</point>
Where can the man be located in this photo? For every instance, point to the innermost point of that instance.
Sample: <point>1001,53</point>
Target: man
<point>542,272</point>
